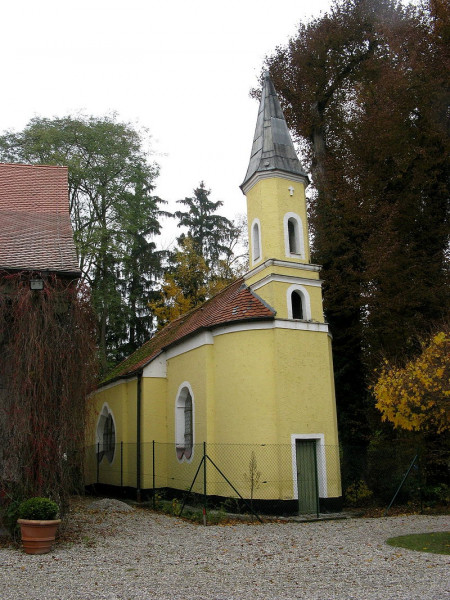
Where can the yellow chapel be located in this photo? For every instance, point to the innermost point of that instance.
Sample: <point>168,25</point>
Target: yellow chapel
<point>247,378</point>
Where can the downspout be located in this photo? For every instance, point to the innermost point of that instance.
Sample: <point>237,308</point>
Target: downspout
<point>138,436</point>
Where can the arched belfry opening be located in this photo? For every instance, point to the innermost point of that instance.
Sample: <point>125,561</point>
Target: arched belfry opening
<point>297,305</point>
<point>293,236</point>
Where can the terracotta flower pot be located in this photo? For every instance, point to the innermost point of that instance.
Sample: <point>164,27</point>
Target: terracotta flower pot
<point>38,536</point>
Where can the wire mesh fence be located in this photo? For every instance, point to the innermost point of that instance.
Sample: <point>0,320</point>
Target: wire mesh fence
<point>372,474</point>
<point>304,477</point>
<point>268,475</point>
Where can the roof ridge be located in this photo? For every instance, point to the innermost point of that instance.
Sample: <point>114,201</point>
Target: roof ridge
<point>204,303</point>
<point>33,165</point>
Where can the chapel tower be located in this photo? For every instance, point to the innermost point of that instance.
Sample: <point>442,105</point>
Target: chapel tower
<point>280,269</point>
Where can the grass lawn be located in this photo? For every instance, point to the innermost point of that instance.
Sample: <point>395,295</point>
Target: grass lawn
<point>437,542</point>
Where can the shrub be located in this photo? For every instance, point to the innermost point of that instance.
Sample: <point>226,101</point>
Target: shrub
<point>436,494</point>
<point>358,494</point>
<point>10,514</point>
<point>39,509</point>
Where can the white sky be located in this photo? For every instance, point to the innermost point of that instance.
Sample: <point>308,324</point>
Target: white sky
<point>183,69</point>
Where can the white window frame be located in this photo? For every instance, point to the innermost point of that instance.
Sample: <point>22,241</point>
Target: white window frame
<point>180,420</point>
<point>298,229</point>
<point>255,241</point>
<point>306,301</point>
<point>103,416</point>
<point>321,462</point>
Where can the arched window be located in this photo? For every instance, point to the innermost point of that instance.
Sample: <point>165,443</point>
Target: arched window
<point>256,241</point>
<point>184,422</point>
<point>106,435</point>
<point>299,304</point>
<point>293,236</point>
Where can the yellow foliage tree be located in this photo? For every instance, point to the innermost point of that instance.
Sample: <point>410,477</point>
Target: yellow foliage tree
<point>188,285</point>
<point>416,397</point>
<point>171,304</point>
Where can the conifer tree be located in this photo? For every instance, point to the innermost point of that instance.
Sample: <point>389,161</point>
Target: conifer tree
<point>211,233</point>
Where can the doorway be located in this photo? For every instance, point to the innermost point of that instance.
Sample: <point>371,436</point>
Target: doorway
<point>307,478</point>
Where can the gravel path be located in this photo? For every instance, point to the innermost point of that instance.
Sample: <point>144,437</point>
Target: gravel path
<point>140,555</point>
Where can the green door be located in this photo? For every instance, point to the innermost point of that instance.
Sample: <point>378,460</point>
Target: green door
<point>307,484</point>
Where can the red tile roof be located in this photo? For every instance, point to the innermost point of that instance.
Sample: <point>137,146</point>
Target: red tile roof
<point>35,229</point>
<point>234,304</point>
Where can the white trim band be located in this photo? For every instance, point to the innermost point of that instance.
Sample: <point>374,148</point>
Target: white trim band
<point>274,262</point>
<point>291,279</point>
<point>275,174</point>
<point>275,324</point>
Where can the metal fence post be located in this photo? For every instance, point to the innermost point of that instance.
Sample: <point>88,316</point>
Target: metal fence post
<point>138,437</point>
<point>121,464</point>
<point>419,476</point>
<point>316,476</point>
<point>98,462</point>
<point>401,484</point>
<point>153,473</point>
<point>205,501</point>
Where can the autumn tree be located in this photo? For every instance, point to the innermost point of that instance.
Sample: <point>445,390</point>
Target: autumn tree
<point>364,88</point>
<point>114,213</point>
<point>187,283</point>
<point>416,396</point>
<point>209,256</point>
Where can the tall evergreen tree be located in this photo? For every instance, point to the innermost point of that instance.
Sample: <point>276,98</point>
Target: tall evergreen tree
<point>206,260</point>
<point>211,233</point>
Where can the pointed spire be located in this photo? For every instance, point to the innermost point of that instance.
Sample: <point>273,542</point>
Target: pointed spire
<point>272,148</point>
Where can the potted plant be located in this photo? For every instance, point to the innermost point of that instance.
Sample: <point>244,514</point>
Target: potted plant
<point>38,524</point>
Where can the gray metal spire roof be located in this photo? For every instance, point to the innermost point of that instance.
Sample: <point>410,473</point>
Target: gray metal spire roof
<point>272,148</point>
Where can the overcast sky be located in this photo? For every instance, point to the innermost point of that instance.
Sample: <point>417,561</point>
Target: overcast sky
<point>182,69</point>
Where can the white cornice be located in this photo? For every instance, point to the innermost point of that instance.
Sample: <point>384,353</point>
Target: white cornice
<point>205,338</point>
<point>259,175</point>
<point>157,367</point>
<point>296,325</point>
<point>291,279</point>
<point>275,262</point>
<point>108,386</point>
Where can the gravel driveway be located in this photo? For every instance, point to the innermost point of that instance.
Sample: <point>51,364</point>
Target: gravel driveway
<point>142,555</point>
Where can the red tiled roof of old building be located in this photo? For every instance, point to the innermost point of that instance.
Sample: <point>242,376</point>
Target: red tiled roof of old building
<point>35,229</point>
<point>234,304</point>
